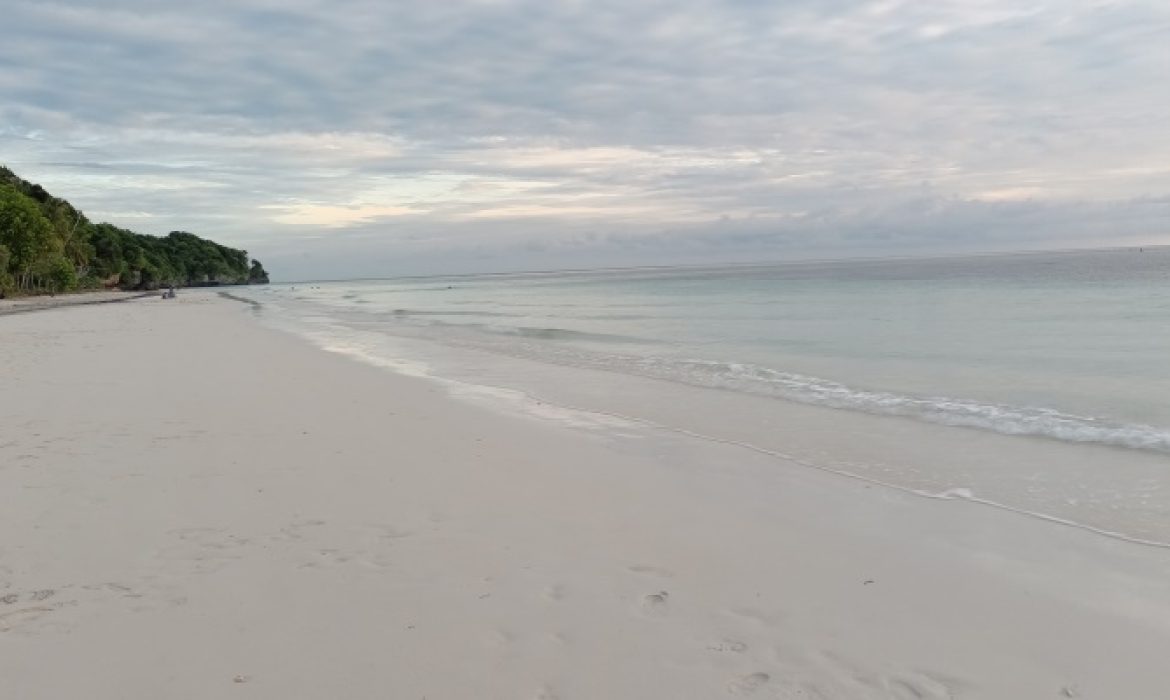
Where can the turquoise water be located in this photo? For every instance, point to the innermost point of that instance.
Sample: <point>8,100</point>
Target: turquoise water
<point>1065,346</point>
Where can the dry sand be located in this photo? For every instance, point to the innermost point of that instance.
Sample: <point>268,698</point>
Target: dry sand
<point>194,506</point>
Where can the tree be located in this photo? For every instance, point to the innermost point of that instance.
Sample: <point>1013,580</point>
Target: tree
<point>107,259</point>
<point>57,273</point>
<point>25,232</point>
<point>6,282</point>
<point>48,244</point>
<point>257,274</point>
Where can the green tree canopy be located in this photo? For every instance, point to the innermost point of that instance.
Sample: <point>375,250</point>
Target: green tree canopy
<point>257,275</point>
<point>25,233</point>
<point>48,245</point>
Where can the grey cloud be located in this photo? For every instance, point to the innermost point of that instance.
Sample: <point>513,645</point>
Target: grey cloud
<point>457,130</point>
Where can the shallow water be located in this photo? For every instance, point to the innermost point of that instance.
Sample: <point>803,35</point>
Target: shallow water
<point>1067,349</point>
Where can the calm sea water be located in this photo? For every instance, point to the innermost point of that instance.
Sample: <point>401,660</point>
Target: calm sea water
<point>1070,349</point>
<point>1071,346</point>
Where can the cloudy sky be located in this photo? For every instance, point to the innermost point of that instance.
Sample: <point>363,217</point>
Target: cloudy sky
<point>350,138</point>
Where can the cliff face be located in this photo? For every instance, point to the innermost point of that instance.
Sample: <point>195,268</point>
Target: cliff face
<point>47,245</point>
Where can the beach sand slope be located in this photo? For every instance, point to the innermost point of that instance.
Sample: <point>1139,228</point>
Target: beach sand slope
<point>194,506</point>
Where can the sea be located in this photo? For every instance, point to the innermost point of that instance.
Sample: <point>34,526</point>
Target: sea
<point>1038,383</point>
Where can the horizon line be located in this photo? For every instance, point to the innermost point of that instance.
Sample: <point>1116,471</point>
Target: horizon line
<point>760,263</point>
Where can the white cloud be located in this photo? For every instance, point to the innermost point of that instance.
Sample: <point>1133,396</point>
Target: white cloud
<point>521,130</point>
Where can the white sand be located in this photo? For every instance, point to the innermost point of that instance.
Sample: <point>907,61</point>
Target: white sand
<point>193,506</point>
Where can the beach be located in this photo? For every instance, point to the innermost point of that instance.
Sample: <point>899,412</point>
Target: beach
<point>195,505</point>
<point>44,302</point>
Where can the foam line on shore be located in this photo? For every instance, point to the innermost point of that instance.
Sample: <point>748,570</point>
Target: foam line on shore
<point>510,399</point>
<point>953,494</point>
<point>946,495</point>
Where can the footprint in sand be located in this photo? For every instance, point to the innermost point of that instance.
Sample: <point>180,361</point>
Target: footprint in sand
<point>655,604</point>
<point>34,596</point>
<point>295,531</point>
<point>22,618</point>
<point>331,556</point>
<point>748,684</point>
<point>10,621</point>
<point>913,685</point>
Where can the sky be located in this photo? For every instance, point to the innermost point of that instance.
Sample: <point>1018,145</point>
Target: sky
<point>376,138</point>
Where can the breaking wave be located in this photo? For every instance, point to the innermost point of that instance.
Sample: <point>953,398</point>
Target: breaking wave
<point>1000,418</point>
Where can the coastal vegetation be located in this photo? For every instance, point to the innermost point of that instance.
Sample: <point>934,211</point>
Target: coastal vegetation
<point>48,246</point>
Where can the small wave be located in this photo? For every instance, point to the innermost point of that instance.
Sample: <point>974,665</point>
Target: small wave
<point>255,305</point>
<point>486,330</point>
<point>400,313</point>
<point>564,346</point>
<point>1009,420</point>
<point>616,317</point>
<point>565,334</point>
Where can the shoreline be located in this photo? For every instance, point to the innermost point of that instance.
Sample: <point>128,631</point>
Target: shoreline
<point>43,302</point>
<point>287,522</point>
<point>1064,481</point>
<point>521,396</point>
<point>20,305</point>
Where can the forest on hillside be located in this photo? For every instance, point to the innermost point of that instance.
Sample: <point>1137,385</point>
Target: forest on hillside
<point>48,246</point>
